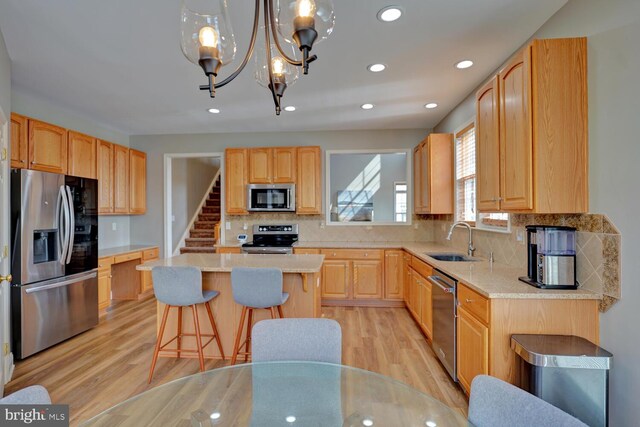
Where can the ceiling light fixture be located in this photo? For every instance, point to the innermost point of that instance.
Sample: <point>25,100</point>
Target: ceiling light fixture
<point>207,39</point>
<point>366,106</point>
<point>466,63</point>
<point>389,13</point>
<point>289,108</point>
<point>376,68</point>
<point>431,105</point>
<point>213,110</point>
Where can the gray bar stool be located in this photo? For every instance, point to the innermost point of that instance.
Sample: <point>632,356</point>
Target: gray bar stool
<point>253,288</point>
<point>182,287</point>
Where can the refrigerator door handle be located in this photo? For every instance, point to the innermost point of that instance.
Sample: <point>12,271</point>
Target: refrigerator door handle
<point>59,216</point>
<point>67,282</point>
<point>64,226</point>
<point>72,224</point>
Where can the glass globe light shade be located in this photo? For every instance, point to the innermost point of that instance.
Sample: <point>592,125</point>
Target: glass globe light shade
<point>206,23</point>
<point>322,12</point>
<point>278,63</point>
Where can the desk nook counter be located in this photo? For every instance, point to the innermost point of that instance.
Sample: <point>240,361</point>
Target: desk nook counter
<point>301,279</point>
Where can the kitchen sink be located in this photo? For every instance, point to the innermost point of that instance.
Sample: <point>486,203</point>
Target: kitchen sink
<point>451,257</point>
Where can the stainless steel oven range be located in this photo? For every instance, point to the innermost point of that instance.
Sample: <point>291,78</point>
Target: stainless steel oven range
<point>272,239</point>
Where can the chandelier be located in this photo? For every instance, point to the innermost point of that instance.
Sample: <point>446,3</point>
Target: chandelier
<point>207,40</point>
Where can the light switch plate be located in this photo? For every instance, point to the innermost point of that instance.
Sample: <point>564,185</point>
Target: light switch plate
<point>114,226</point>
<point>520,236</point>
<point>227,225</point>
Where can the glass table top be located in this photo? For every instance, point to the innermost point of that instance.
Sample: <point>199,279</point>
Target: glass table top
<point>282,394</point>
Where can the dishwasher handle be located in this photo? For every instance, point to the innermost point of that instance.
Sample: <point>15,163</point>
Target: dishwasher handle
<point>436,281</point>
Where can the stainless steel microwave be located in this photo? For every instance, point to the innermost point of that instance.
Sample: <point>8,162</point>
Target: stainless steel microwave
<point>271,197</point>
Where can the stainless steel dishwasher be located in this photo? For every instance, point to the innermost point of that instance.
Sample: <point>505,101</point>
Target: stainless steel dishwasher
<point>444,304</point>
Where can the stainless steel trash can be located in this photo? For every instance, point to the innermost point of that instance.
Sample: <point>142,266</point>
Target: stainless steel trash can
<point>567,371</point>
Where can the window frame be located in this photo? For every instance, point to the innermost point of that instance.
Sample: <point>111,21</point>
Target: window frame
<point>408,152</point>
<point>470,124</point>
<point>395,200</point>
<point>478,223</point>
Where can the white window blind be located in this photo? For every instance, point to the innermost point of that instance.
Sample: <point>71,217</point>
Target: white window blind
<point>466,175</point>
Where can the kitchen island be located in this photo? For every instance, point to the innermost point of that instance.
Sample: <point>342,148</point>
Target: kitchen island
<point>301,277</point>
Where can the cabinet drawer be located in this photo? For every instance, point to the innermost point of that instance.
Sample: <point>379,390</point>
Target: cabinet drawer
<point>306,251</point>
<point>424,269</point>
<point>127,257</point>
<point>474,303</point>
<point>105,263</point>
<point>150,254</point>
<point>352,253</point>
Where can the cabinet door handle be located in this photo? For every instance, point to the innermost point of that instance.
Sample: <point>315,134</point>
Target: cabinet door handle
<point>334,254</point>
<point>33,163</point>
<point>366,254</point>
<point>468,301</point>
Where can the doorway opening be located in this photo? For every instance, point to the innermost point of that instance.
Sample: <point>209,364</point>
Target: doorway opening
<point>193,202</point>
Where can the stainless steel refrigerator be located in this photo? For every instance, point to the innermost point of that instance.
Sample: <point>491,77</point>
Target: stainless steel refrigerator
<point>54,262</point>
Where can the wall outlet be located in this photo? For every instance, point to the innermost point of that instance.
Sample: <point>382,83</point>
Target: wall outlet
<point>322,225</point>
<point>416,226</point>
<point>114,226</point>
<point>520,236</point>
<point>227,225</point>
<point>245,226</point>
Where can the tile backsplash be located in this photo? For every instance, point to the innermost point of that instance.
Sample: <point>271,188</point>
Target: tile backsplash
<point>314,229</point>
<point>597,247</point>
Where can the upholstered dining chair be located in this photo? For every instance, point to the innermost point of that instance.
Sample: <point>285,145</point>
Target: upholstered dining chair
<point>495,403</point>
<point>316,340</point>
<point>33,395</point>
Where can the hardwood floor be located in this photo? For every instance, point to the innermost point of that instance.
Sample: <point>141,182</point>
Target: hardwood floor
<point>110,363</point>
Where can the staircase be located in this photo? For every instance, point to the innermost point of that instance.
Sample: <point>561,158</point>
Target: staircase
<point>203,235</point>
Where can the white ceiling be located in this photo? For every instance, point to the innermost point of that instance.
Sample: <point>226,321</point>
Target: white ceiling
<point>119,63</point>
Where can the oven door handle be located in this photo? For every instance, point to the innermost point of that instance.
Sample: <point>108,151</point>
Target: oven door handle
<point>436,281</point>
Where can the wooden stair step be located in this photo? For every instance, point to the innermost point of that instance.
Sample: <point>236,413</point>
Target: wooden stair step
<point>202,234</point>
<point>205,225</point>
<point>210,202</point>
<point>198,250</point>
<point>211,209</point>
<point>195,242</point>
<point>209,217</point>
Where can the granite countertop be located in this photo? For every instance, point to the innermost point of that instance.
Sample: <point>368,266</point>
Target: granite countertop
<point>119,250</point>
<point>225,262</point>
<point>492,281</point>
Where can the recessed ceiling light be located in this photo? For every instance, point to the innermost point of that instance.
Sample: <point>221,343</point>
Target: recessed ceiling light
<point>464,64</point>
<point>215,416</point>
<point>389,13</point>
<point>291,419</point>
<point>366,106</point>
<point>431,105</point>
<point>213,110</point>
<point>289,108</point>
<point>376,68</point>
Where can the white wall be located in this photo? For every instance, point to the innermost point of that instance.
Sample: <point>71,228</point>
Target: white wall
<point>5,78</point>
<point>191,178</point>
<point>613,31</point>
<point>24,103</point>
<point>147,228</point>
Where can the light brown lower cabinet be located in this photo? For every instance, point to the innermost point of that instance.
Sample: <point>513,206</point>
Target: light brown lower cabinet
<point>367,279</point>
<point>393,274</point>
<point>147,280</point>
<point>336,276</point>
<point>104,282</point>
<point>228,250</point>
<point>426,310</point>
<point>473,348</point>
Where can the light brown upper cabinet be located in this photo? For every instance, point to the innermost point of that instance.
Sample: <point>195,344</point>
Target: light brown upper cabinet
<point>47,147</point>
<point>433,175</point>
<point>82,158</point>
<point>488,147</point>
<point>105,177</point>
<point>138,182</point>
<point>542,137</point>
<point>235,163</point>
<point>309,185</point>
<point>272,165</point>
<point>284,164</point>
<point>19,141</point>
<point>120,179</point>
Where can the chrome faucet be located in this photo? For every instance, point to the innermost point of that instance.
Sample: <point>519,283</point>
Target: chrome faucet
<point>470,249</point>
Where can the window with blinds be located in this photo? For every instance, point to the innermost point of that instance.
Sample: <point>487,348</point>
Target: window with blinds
<point>466,175</point>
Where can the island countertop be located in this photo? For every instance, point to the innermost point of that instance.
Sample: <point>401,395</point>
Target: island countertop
<point>226,262</point>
